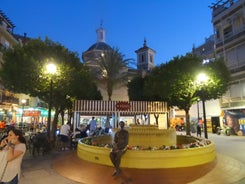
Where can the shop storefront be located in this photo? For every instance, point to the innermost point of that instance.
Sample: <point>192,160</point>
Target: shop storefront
<point>33,115</point>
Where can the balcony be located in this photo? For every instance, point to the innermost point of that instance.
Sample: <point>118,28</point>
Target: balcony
<point>230,37</point>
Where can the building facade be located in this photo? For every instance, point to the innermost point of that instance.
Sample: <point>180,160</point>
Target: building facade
<point>8,101</point>
<point>145,63</point>
<point>228,19</point>
<point>229,25</point>
<point>90,58</point>
<point>15,108</point>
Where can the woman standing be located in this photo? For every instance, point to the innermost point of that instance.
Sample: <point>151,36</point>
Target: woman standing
<point>12,148</point>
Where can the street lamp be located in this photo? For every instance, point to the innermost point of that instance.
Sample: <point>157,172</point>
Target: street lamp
<point>23,102</point>
<point>202,79</point>
<point>51,70</point>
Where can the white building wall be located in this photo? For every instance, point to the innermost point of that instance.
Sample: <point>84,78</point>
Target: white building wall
<point>212,108</point>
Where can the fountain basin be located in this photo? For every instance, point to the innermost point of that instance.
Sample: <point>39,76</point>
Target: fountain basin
<point>151,159</point>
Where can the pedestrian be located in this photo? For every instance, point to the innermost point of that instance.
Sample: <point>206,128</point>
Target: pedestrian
<point>92,126</point>
<point>13,148</point>
<point>119,148</point>
<point>107,125</point>
<point>199,130</point>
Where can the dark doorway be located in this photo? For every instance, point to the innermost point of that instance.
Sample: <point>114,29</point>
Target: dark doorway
<point>215,123</point>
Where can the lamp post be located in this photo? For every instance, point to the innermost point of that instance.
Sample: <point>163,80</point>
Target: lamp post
<point>202,80</point>
<point>204,119</point>
<point>23,102</point>
<point>51,70</point>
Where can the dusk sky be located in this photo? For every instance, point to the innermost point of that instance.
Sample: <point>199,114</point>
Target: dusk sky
<point>170,27</point>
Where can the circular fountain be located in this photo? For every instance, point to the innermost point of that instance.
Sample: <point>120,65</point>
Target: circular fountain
<point>150,148</point>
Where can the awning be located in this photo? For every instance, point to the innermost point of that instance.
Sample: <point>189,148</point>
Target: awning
<point>124,107</point>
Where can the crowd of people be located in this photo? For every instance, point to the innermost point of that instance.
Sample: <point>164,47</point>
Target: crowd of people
<point>68,135</point>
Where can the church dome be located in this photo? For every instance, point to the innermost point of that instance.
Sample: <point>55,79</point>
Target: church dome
<point>99,46</point>
<point>95,50</point>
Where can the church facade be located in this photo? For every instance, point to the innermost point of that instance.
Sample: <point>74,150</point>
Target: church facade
<point>145,63</point>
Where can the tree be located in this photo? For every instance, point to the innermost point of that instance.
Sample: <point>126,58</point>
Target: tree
<point>218,80</point>
<point>155,87</point>
<point>24,72</point>
<point>176,82</point>
<point>111,70</point>
<point>136,89</point>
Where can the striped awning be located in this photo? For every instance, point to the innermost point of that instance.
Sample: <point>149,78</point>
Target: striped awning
<point>124,107</point>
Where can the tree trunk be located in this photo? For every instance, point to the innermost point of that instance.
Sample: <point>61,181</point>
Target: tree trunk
<point>70,115</point>
<point>62,117</point>
<point>187,117</point>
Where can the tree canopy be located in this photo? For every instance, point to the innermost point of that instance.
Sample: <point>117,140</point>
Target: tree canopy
<point>24,71</point>
<point>111,70</point>
<point>176,82</point>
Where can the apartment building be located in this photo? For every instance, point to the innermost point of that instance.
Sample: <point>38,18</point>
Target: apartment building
<point>228,19</point>
<point>229,26</point>
<point>8,101</point>
<point>16,107</point>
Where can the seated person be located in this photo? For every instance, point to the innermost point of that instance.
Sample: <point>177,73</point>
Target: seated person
<point>75,136</point>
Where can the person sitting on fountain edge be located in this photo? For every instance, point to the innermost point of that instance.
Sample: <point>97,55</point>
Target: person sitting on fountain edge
<point>119,148</point>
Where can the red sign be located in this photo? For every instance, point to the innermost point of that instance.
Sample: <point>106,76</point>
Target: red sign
<point>31,113</point>
<point>123,106</point>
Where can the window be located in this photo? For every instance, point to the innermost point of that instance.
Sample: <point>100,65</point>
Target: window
<point>142,58</point>
<point>217,34</point>
<point>227,31</point>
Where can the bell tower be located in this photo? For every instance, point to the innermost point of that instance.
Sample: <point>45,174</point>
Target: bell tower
<point>145,58</point>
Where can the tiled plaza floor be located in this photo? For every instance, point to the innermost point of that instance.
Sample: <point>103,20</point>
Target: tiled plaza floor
<point>224,170</point>
<point>66,168</point>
